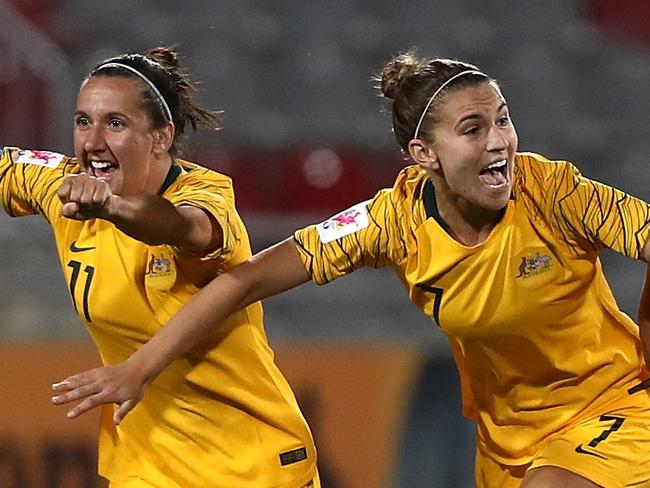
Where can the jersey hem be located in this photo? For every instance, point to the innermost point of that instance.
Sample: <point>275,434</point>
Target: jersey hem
<point>104,471</point>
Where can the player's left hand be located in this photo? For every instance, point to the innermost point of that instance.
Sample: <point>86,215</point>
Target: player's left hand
<point>122,384</point>
<point>84,197</point>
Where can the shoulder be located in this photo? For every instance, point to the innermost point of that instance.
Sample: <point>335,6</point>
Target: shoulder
<point>400,204</point>
<point>201,178</point>
<point>534,164</point>
<point>408,184</point>
<point>535,171</point>
<point>193,171</point>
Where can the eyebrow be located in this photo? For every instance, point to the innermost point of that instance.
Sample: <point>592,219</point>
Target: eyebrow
<point>113,114</point>
<point>475,116</point>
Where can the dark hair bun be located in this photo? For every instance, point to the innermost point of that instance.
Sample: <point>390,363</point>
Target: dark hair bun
<point>397,72</point>
<point>165,57</point>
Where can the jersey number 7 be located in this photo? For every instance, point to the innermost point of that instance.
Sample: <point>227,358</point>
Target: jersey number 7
<point>437,299</point>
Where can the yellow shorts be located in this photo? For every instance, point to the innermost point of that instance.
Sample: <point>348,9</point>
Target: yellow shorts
<point>611,450</point>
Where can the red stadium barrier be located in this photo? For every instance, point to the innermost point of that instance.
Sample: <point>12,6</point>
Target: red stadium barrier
<point>310,180</point>
<point>23,98</point>
<point>625,21</point>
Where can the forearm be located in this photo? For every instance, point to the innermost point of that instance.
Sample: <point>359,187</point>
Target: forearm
<point>266,274</point>
<point>203,314</point>
<point>148,218</point>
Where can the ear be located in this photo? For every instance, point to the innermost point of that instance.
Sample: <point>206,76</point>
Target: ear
<point>423,154</point>
<point>163,138</point>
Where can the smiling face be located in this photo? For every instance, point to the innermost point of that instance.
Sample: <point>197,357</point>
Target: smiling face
<point>473,149</point>
<point>113,138</point>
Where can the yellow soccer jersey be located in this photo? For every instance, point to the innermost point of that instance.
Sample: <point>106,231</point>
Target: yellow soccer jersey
<point>536,332</point>
<point>222,415</point>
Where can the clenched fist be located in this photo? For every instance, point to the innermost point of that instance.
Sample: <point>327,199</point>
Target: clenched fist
<point>85,197</point>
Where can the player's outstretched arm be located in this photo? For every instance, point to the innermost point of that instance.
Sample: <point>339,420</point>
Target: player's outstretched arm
<point>268,273</point>
<point>148,218</point>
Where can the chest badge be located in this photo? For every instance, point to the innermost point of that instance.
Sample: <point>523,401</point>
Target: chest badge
<point>161,270</point>
<point>532,263</point>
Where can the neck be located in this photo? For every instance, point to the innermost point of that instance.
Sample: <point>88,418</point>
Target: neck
<point>158,173</point>
<point>470,225</point>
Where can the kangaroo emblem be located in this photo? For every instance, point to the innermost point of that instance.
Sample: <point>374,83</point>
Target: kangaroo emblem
<point>533,265</point>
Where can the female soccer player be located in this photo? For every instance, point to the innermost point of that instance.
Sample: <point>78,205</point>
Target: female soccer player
<point>138,232</point>
<point>501,249</point>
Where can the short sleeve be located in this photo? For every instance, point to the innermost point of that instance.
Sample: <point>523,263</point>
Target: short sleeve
<point>587,214</point>
<point>212,193</point>
<point>599,215</point>
<point>29,180</point>
<point>367,234</point>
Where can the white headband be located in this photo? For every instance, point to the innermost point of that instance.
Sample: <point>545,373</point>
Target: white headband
<point>435,94</point>
<point>168,112</point>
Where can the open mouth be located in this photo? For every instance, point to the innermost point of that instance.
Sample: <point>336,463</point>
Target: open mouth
<point>495,175</point>
<point>102,169</point>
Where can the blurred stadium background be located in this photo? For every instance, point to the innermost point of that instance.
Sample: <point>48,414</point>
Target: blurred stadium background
<point>304,137</point>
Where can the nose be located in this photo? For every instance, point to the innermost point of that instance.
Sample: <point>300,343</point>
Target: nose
<point>497,139</point>
<point>94,139</point>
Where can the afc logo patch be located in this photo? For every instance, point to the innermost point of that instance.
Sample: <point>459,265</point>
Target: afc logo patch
<point>40,158</point>
<point>345,223</point>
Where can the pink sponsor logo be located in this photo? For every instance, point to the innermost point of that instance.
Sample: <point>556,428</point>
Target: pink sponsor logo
<point>347,218</point>
<point>44,155</point>
<point>42,158</point>
<point>344,223</point>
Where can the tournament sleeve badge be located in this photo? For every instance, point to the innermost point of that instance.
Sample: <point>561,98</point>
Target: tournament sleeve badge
<point>345,223</point>
<point>39,158</point>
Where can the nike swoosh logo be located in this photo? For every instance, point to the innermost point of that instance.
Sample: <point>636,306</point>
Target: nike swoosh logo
<point>580,450</point>
<point>74,248</point>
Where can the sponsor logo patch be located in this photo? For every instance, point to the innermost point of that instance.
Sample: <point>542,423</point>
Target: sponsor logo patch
<point>345,223</point>
<point>40,158</point>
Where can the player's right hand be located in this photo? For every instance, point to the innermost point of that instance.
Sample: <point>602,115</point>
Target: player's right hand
<point>123,384</point>
<point>84,197</point>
